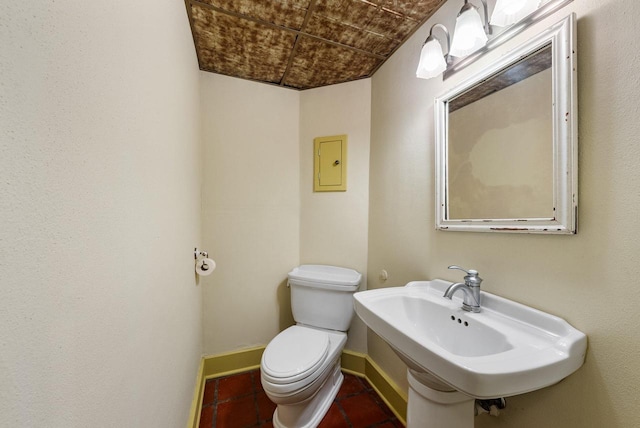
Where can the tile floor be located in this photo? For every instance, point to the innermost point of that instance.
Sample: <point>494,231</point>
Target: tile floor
<point>238,401</point>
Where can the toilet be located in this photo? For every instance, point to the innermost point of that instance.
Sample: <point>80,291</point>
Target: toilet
<point>300,368</point>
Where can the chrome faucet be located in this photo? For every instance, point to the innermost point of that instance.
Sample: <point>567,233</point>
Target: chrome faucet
<point>470,288</point>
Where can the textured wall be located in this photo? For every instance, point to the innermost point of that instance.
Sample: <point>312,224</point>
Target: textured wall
<point>334,225</point>
<point>261,215</point>
<point>251,209</point>
<point>99,189</point>
<point>590,279</point>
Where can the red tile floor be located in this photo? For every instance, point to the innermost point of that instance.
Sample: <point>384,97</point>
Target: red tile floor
<point>238,401</point>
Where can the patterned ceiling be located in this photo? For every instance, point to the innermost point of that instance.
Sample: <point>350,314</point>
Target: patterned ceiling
<point>302,44</point>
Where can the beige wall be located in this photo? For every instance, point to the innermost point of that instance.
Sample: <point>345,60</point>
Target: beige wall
<point>589,279</point>
<point>251,209</point>
<point>261,217</point>
<point>100,321</point>
<point>333,225</point>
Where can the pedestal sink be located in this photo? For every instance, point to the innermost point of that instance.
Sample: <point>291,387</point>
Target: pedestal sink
<point>456,356</point>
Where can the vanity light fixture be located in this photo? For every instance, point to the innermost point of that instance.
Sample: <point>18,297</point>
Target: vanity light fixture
<point>507,12</point>
<point>472,38</point>
<point>470,34</point>
<point>432,60</point>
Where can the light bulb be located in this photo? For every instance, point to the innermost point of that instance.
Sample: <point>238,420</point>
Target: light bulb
<point>469,35</point>
<point>432,61</point>
<point>508,12</point>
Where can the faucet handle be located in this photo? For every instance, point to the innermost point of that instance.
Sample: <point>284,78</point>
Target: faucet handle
<point>472,278</point>
<point>468,272</point>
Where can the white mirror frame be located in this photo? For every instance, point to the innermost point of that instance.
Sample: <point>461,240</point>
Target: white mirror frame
<point>565,141</point>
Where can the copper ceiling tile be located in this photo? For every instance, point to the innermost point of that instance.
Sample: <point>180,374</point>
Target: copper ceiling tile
<point>392,25</point>
<point>320,64</point>
<point>367,16</point>
<point>354,13</point>
<point>302,43</point>
<point>286,13</point>
<point>238,47</point>
<point>345,34</point>
<point>415,9</point>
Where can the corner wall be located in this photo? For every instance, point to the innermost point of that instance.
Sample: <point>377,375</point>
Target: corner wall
<point>261,216</point>
<point>334,225</point>
<point>589,279</point>
<point>251,209</point>
<point>100,319</point>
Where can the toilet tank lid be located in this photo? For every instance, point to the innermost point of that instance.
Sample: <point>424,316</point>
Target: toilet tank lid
<point>326,275</point>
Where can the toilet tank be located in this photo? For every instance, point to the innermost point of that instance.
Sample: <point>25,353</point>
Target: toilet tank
<point>322,296</point>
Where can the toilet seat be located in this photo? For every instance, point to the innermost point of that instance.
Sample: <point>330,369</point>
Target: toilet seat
<point>300,373</point>
<point>295,355</point>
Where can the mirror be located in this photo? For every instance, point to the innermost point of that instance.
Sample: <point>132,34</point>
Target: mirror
<point>506,142</point>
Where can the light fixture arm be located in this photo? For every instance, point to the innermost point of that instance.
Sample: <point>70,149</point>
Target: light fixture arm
<point>432,37</point>
<point>485,8</point>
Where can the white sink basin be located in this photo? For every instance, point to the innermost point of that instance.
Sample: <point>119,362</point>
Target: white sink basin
<point>506,349</point>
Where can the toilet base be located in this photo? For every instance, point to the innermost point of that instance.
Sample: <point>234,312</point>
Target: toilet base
<point>309,413</point>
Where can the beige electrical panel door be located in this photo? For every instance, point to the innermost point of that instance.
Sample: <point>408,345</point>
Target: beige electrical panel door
<point>330,164</point>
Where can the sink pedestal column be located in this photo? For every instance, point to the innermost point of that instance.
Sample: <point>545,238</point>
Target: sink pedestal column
<point>431,408</point>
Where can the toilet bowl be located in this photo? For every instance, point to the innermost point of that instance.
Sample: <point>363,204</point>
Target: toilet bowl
<point>300,368</point>
<point>300,373</point>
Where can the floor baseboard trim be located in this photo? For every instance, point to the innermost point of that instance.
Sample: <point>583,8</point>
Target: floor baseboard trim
<point>213,366</point>
<point>362,365</point>
<point>196,402</point>
<point>232,362</point>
